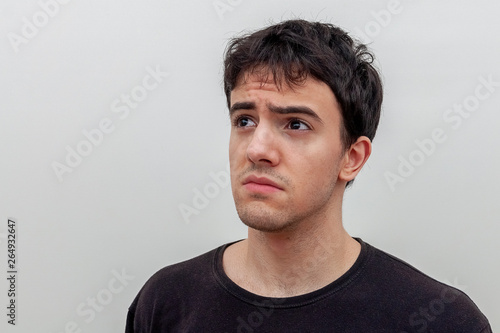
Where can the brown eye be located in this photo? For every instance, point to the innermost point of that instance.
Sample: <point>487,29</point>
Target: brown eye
<point>243,122</point>
<point>298,125</point>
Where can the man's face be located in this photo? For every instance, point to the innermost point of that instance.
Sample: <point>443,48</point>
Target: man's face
<point>285,152</point>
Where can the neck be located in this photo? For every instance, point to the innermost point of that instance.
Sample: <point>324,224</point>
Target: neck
<point>292,263</point>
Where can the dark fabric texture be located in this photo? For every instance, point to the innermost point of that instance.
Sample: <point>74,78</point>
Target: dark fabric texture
<point>379,293</point>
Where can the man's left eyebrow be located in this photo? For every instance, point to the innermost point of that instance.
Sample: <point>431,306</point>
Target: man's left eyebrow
<point>294,109</point>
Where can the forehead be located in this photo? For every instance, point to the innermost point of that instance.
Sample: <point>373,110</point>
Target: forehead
<point>261,87</point>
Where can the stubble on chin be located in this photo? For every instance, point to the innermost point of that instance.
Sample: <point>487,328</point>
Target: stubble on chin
<point>264,220</point>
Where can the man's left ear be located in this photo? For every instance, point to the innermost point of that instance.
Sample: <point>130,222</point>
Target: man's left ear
<point>355,157</point>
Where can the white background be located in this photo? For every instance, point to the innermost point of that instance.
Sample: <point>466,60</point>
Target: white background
<point>118,210</point>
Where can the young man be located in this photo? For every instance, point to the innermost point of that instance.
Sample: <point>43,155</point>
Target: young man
<point>304,101</point>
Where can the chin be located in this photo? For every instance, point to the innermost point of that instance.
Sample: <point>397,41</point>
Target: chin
<point>266,221</point>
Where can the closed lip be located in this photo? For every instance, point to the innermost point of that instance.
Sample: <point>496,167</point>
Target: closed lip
<point>261,181</point>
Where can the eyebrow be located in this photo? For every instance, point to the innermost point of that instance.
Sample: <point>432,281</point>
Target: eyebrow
<point>241,106</point>
<point>291,109</point>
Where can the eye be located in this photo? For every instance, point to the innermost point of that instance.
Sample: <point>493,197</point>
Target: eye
<point>296,124</point>
<point>243,121</point>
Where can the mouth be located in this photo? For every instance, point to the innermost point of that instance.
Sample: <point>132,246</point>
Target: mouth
<point>261,185</point>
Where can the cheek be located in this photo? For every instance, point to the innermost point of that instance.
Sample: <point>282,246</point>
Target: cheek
<point>318,169</point>
<point>234,154</point>
<point>233,148</point>
<point>238,144</point>
<point>237,157</point>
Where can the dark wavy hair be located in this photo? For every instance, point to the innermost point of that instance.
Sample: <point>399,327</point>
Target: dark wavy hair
<point>294,49</point>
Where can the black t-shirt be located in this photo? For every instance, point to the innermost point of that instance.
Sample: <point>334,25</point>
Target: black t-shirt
<point>379,293</point>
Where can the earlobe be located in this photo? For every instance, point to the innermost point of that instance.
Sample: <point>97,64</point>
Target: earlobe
<point>355,157</point>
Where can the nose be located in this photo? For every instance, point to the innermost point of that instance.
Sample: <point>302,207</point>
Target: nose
<point>263,148</point>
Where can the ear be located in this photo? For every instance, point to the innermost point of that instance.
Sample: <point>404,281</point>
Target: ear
<point>354,158</point>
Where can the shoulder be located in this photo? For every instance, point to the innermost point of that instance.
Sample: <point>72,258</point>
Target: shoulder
<point>391,269</point>
<point>164,298</point>
<point>420,300</point>
<point>175,281</point>
<point>184,269</point>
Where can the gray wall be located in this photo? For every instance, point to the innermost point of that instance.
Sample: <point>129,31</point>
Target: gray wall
<point>429,193</point>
